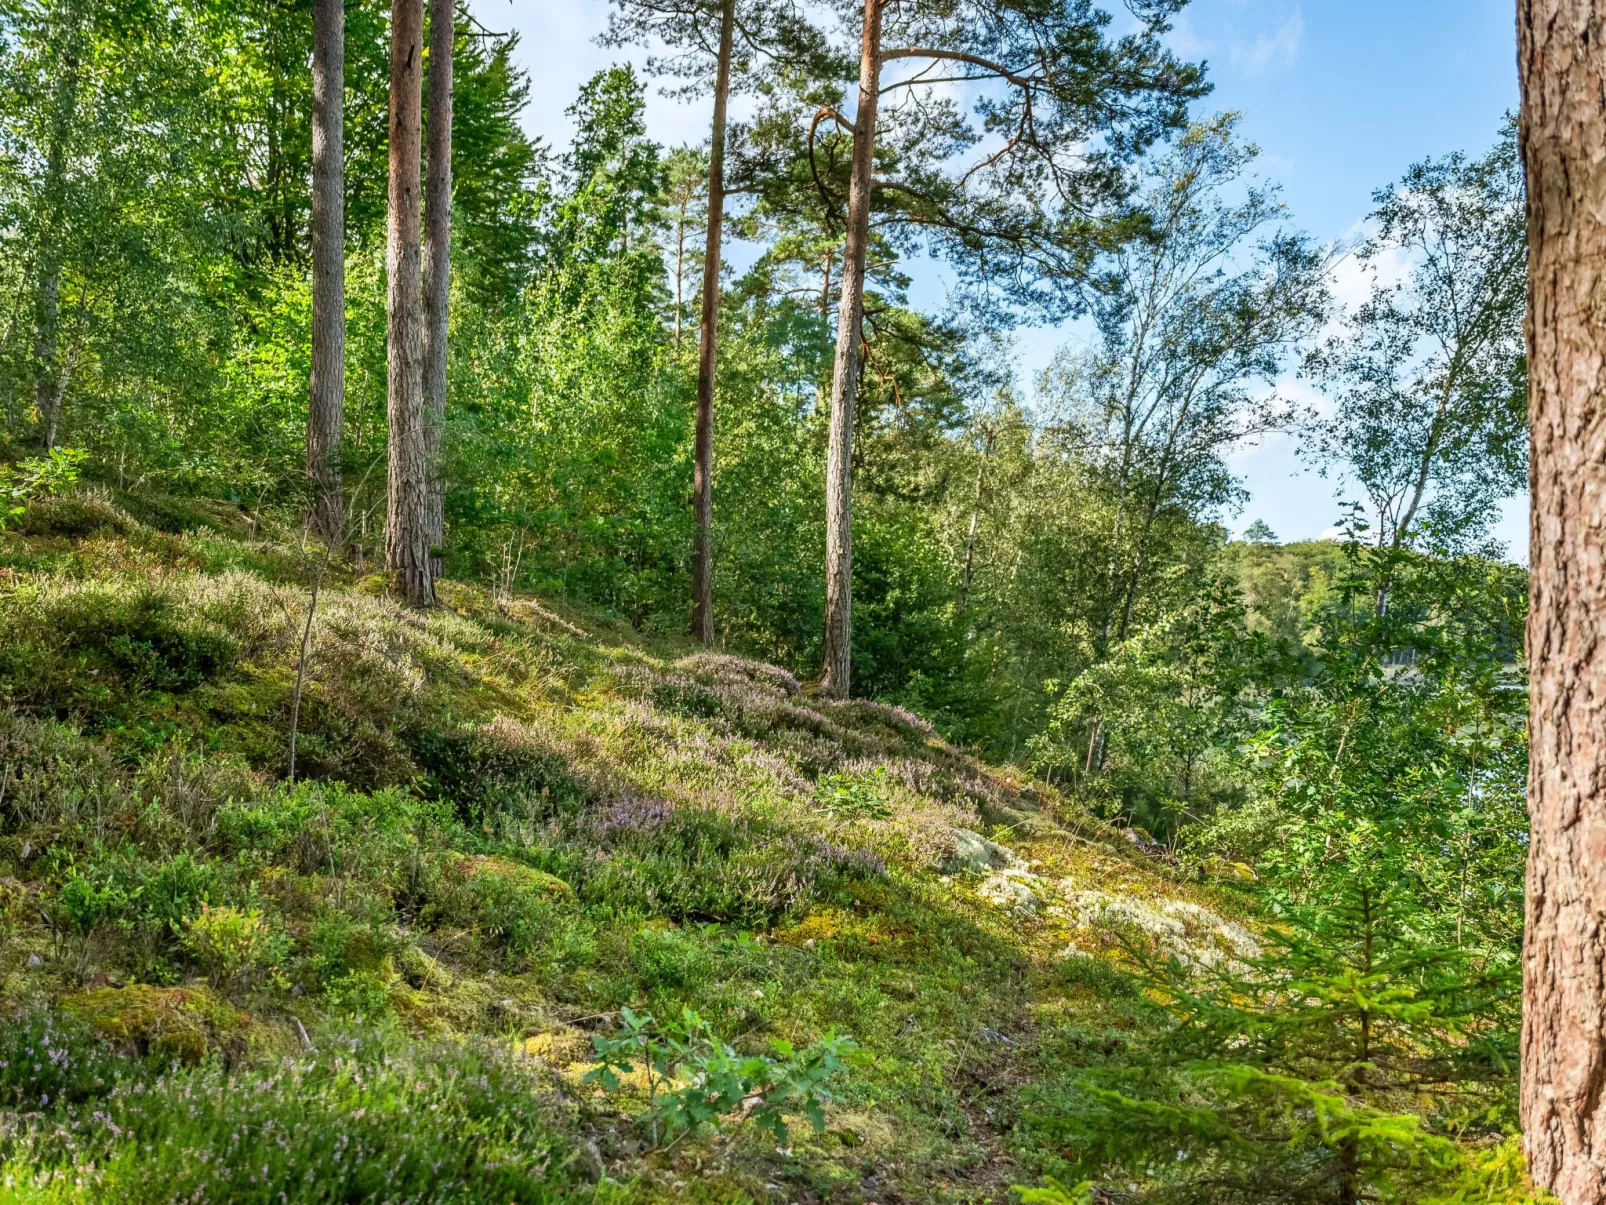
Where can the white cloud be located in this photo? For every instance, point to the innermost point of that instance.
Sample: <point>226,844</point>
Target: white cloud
<point>1272,50</point>
<point>1185,41</point>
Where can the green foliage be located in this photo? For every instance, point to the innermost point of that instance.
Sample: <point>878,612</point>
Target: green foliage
<point>854,797</point>
<point>50,1061</point>
<point>438,1123</point>
<point>695,1080</point>
<point>1372,1040</point>
<point>35,478</point>
<point>229,942</point>
<point>1430,373</point>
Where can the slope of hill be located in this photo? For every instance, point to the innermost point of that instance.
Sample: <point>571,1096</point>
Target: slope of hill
<point>413,972</point>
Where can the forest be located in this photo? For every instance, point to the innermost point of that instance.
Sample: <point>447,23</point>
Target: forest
<point>543,672</point>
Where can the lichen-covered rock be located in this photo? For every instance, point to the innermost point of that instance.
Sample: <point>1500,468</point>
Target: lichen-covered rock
<point>1018,892</point>
<point>1194,935</point>
<point>972,853</point>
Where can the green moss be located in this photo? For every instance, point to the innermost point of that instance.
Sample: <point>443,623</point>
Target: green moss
<point>511,822</point>
<point>177,1023</point>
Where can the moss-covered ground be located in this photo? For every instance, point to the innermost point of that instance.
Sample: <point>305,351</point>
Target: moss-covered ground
<point>510,821</point>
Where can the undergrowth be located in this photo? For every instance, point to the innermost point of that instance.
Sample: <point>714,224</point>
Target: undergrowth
<point>410,975</point>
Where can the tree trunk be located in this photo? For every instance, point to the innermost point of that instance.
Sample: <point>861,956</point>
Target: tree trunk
<point>407,502</point>
<point>49,380</point>
<point>438,263</point>
<point>702,552</point>
<point>1561,54</point>
<point>969,563</point>
<point>835,678</point>
<point>680,271</point>
<point>326,387</point>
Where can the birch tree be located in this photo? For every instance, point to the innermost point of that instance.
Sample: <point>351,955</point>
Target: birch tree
<point>437,285</point>
<point>327,381</point>
<point>1428,376</point>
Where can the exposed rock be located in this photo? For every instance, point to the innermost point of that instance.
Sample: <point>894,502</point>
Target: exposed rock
<point>1141,840</point>
<point>1194,935</point>
<point>1016,891</point>
<point>591,1165</point>
<point>973,853</point>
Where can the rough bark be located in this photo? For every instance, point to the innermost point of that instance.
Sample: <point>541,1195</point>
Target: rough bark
<point>836,673</point>
<point>702,552</point>
<point>326,386</point>
<point>407,500</point>
<point>1562,63</point>
<point>437,263</point>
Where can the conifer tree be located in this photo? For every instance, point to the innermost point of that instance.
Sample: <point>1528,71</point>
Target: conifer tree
<point>1561,58</point>
<point>700,30</point>
<point>1022,221</point>
<point>407,506</point>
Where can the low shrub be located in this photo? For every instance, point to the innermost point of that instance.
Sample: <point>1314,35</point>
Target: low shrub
<point>360,1121</point>
<point>694,1080</point>
<point>699,865</point>
<point>231,944</point>
<point>497,775</point>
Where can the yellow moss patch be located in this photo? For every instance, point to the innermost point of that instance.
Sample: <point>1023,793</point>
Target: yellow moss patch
<point>559,1047</point>
<point>815,927</point>
<point>472,866</point>
<point>178,1022</point>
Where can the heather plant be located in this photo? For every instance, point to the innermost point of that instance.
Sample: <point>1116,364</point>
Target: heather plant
<point>50,1060</point>
<point>363,1119</point>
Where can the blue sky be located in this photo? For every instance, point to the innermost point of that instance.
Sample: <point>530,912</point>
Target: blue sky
<point>1340,95</point>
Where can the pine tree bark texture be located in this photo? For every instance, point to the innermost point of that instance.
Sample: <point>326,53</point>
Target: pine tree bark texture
<point>1562,63</point>
<point>327,384</point>
<point>702,553</point>
<point>407,499</point>
<point>437,263</point>
<point>835,678</point>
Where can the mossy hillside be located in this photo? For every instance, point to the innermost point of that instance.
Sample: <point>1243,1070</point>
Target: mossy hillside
<point>513,820</point>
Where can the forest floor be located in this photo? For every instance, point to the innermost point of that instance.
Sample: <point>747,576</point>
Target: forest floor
<point>513,821</point>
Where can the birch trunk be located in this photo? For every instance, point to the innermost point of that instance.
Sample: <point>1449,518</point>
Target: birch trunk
<point>326,386</point>
<point>702,552</point>
<point>49,379</point>
<point>1561,53</point>
<point>437,264</point>
<point>835,678</point>
<point>407,501</point>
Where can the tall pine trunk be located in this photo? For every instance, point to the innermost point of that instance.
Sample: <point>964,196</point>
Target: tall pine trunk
<point>1561,53</point>
<point>835,677</point>
<point>407,502</point>
<point>326,387</point>
<point>702,552</point>
<point>437,262</point>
